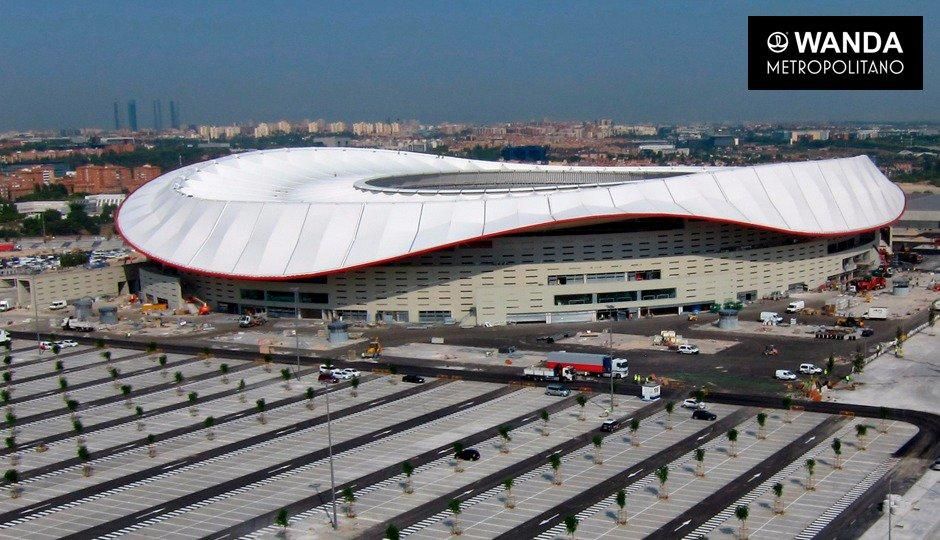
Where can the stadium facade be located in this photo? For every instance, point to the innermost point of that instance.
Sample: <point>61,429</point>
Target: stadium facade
<point>395,236</point>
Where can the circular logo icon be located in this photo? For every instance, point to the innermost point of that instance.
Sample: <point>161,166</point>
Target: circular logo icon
<point>777,42</point>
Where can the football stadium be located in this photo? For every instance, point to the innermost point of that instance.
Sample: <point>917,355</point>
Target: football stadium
<point>379,235</point>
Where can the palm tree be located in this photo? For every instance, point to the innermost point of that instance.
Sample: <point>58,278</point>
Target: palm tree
<point>621,504</point>
<point>151,448</point>
<point>761,425</point>
<point>162,362</point>
<point>883,414</point>
<point>59,366</point>
<point>139,411</point>
<point>354,387</point>
<point>223,368</point>
<point>582,401</point>
<point>126,392</point>
<point>858,363</point>
<point>778,498</point>
<point>107,356</point>
<point>861,430</point>
<point>206,354</point>
<point>151,347</point>
<point>837,452</point>
<point>310,394</point>
<point>241,391</point>
<point>787,404</point>
<point>670,406</point>
<point>662,474</point>
<point>7,360</point>
<point>178,377</point>
<point>115,373</point>
<point>830,365</point>
<point>598,441</point>
<point>260,405</point>
<point>510,501</point>
<point>267,362</point>
<point>733,439</point>
<point>634,427</point>
<point>555,461</point>
<point>458,463</point>
<point>56,349</point>
<point>454,507</point>
<point>12,477</point>
<point>281,519</point>
<point>507,438</point>
<point>63,384</point>
<point>700,462</point>
<point>11,421</point>
<point>392,532</point>
<point>72,406</point>
<point>285,374</point>
<point>543,414</point>
<point>209,422</point>
<point>408,469</point>
<point>810,472</point>
<point>85,457</point>
<point>79,428</point>
<point>571,525</point>
<point>6,397</point>
<point>193,396</point>
<point>12,446</point>
<point>699,395</point>
<point>8,378</point>
<point>741,512</point>
<point>350,499</point>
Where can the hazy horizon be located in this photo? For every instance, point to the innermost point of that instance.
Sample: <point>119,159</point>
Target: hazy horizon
<point>64,64</point>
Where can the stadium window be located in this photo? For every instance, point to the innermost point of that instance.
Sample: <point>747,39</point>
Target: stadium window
<point>314,298</point>
<point>620,296</point>
<point>279,296</point>
<point>252,294</point>
<point>573,299</point>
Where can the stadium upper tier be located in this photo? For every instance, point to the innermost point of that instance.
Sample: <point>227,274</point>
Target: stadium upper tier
<point>294,213</point>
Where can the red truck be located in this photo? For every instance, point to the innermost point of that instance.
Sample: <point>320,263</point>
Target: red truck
<point>588,364</point>
<point>8,246</point>
<point>870,284</point>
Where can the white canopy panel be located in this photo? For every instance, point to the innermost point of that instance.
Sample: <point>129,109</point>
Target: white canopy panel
<point>293,213</point>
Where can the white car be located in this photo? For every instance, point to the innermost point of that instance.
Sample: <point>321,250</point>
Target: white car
<point>45,345</point>
<point>346,373</point>
<point>810,369</point>
<point>784,375</point>
<point>67,343</point>
<point>687,349</point>
<point>693,403</point>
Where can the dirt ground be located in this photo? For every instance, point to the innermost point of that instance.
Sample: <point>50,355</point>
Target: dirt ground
<point>465,354</point>
<point>632,342</point>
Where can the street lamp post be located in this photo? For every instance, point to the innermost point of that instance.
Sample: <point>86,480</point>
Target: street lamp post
<point>297,330</point>
<point>32,287</point>
<point>610,352</point>
<point>329,442</point>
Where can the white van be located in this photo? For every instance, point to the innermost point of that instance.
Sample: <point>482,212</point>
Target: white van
<point>784,375</point>
<point>796,306</point>
<point>879,313</point>
<point>58,304</point>
<point>770,317</point>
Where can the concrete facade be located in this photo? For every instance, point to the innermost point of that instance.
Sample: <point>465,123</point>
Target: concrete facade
<point>71,284</point>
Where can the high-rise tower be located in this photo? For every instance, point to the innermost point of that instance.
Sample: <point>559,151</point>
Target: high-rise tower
<point>117,117</point>
<point>157,115</point>
<point>174,115</point>
<point>132,115</point>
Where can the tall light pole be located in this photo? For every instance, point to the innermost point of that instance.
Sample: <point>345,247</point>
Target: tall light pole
<point>297,329</point>
<point>329,442</point>
<point>610,353</point>
<point>32,289</point>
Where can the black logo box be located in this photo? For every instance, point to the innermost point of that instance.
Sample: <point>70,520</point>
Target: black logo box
<point>909,30</point>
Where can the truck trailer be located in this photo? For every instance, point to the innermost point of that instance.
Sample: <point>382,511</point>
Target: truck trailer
<point>601,365</point>
<point>540,373</point>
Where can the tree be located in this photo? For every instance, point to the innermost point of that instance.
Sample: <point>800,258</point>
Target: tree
<point>454,507</point>
<point>260,405</point>
<point>597,440</point>
<point>408,469</point>
<point>392,533</point>
<point>787,405</point>
<point>178,377</point>
<point>837,452</point>
<point>85,457</point>
<point>700,395</point>
<point>670,406</point>
<point>126,392</point>
<point>193,397</point>
<point>63,384</point>
<point>115,373</point>
<point>810,465</point>
<point>99,343</point>
<point>162,361</point>
<point>510,501</point>
<point>883,415</point>
<point>830,365</point>
<point>209,422</point>
<point>151,448</point>
<point>778,498</point>
<point>56,349</point>
<point>861,430</point>
<point>267,362</point>
<point>285,374</point>
<point>78,428</point>
<point>543,414</point>
<point>106,355</point>
<point>72,406</point>
<point>350,499</point>
<point>571,525</point>
<point>621,504</point>
<point>7,359</point>
<point>507,438</point>
<point>12,446</point>
<point>354,387</point>
<point>241,391</point>
<point>309,393</point>
<point>11,421</point>
<point>662,474</point>
<point>139,411</point>
<point>151,347</point>
<point>858,363</point>
<point>761,425</point>
<point>206,354</point>
<point>223,368</point>
<point>634,427</point>
<point>555,461</point>
<point>741,512</point>
<point>12,477</point>
<point>582,401</point>
<point>733,439</point>
<point>458,463</point>
<point>59,366</point>
<point>281,519</point>
<point>700,462</point>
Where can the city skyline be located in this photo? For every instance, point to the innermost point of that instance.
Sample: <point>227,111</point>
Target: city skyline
<point>469,63</point>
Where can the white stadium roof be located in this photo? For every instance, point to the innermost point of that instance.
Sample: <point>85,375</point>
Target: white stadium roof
<point>295,213</point>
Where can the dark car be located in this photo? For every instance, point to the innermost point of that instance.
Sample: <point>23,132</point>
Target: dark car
<point>867,332</point>
<point>327,378</point>
<point>610,426</point>
<point>469,454</point>
<point>704,415</point>
<point>412,379</point>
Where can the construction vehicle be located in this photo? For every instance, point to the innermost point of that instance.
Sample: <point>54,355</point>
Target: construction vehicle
<point>374,350</point>
<point>252,319</point>
<point>5,305</point>
<point>72,323</point>
<point>541,373</point>
<point>600,365</point>
<point>203,305</point>
<point>771,350</point>
<point>872,283</point>
<point>883,271</point>
<point>850,322</point>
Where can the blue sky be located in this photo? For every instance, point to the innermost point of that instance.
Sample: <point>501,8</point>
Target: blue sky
<point>62,64</point>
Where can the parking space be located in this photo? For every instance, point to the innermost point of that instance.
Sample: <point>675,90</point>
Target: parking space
<point>186,480</point>
<point>47,378</point>
<point>71,358</point>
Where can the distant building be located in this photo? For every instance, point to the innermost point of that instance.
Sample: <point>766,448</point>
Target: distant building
<point>94,204</point>
<point>25,181</point>
<point>337,127</point>
<point>157,115</point>
<point>132,115</point>
<point>98,179</point>
<point>262,130</point>
<point>117,117</point>
<point>174,115</point>
<point>141,175</point>
<point>283,126</point>
<point>32,208</point>
<point>809,135</point>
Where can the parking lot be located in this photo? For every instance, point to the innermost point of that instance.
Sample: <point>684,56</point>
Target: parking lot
<point>231,475</point>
